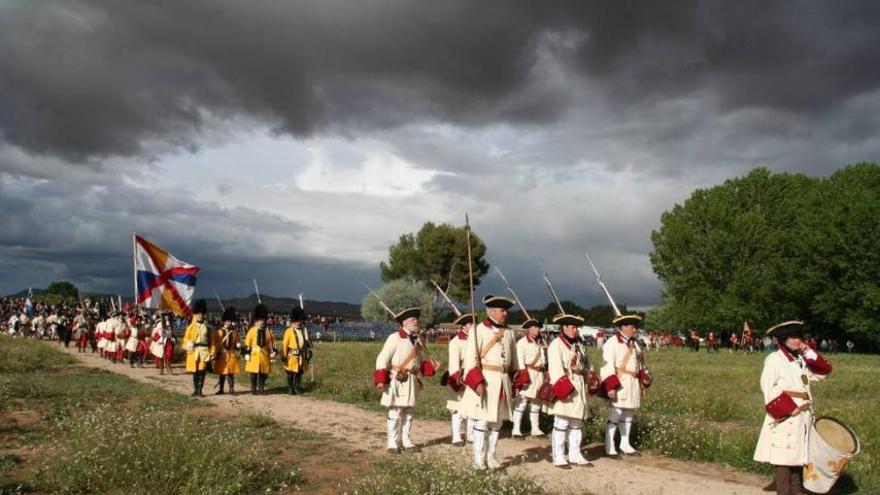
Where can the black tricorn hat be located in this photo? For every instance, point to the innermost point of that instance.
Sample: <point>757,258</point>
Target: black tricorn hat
<point>567,319</point>
<point>297,314</point>
<point>502,302</point>
<point>261,312</point>
<point>787,328</point>
<point>200,307</point>
<point>531,322</point>
<point>627,320</point>
<point>464,319</point>
<point>407,313</point>
<point>229,314</point>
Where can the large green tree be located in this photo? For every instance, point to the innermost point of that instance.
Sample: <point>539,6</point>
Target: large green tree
<point>439,253</point>
<point>734,252</point>
<point>769,247</point>
<point>66,291</point>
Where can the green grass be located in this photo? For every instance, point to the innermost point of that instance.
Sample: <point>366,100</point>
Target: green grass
<point>704,407</point>
<point>439,478</point>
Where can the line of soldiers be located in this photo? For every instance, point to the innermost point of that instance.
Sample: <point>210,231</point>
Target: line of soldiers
<point>218,349</point>
<point>493,378</point>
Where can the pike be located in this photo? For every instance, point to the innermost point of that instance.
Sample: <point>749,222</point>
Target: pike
<point>515,297</point>
<point>257,288</point>
<point>218,302</point>
<point>550,287</point>
<point>301,305</point>
<point>602,284</point>
<point>446,298</point>
<point>381,302</point>
<point>467,229</point>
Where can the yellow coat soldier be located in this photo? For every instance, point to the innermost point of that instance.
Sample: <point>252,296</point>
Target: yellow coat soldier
<point>295,347</point>
<point>531,365</point>
<point>224,346</point>
<point>570,373</point>
<point>259,344</point>
<point>489,359</point>
<point>455,380</point>
<point>197,342</point>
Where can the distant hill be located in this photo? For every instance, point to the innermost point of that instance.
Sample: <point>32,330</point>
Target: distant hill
<point>246,304</point>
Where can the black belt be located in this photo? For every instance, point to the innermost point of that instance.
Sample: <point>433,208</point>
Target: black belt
<point>200,345</point>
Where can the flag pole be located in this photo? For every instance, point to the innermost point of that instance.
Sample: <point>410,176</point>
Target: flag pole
<point>134,266</point>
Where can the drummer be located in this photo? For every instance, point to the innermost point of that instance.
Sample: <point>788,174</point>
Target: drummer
<point>785,382</point>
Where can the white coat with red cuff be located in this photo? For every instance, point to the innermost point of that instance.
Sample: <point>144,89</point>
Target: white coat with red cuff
<point>530,363</point>
<point>456,358</point>
<point>785,383</point>
<point>569,370</point>
<point>401,383</point>
<point>498,364</point>
<point>619,375</point>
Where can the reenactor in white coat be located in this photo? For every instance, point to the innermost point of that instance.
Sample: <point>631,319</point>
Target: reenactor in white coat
<point>489,360</point>
<point>531,356</point>
<point>623,376</point>
<point>785,383</point>
<point>398,369</point>
<point>456,359</point>
<point>100,335</point>
<point>573,380</point>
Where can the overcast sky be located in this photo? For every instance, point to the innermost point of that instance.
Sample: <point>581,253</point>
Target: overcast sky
<point>295,141</point>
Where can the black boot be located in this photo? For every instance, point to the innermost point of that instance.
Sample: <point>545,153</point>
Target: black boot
<point>254,383</point>
<point>195,384</point>
<point>296,380</point>
<point>263,377</point>
<point>222,383</point>
<point>290,383</point>
<point>202,375</point>
<point>232,384</point>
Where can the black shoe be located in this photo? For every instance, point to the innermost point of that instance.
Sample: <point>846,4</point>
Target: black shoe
<point>562,466</point>
<point>393,450</point>
<point>616,457</point>
<point>220,392</point>
<point>415,449</point>
<point>632,454</point>
<point>460,443</point>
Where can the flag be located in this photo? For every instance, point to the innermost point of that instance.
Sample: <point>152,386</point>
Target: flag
<point>29,303</point>
<point>161,280</point>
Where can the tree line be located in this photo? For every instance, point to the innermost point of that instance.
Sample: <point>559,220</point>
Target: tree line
<point>768,247</point>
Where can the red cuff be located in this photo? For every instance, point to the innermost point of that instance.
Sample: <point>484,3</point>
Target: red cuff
<point>781,407</point>
<point>594,383</point>
<point>611,383</point>
<point>454,381</point>
<point>820,365</point>
<point>381,377</point>
<point>522,380</point>
<point>474,378</point>
<point>428,368</point>
<point>563,388</point>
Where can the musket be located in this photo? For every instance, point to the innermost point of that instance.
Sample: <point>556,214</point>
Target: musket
<point>257,288</point>
<point>550,287</point>
<point>602,285</point>
<point>515,297</point>
<point>446,298</point>
<point>218,302</point>
<point>301,305</point>
<point>467,229</point>
<point>381,302</point>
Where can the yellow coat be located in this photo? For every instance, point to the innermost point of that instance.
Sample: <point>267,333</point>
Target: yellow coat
<point>197,341</point>
<point>260,357</point>
<point>225,359</point>
<point>292,346</point>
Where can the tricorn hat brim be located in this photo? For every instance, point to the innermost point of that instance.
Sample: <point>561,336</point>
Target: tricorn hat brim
<point>502,302</point>
<point>531,322</point>
<point>627,320</point>
<point>784,329</point>
<point>407,313</point>
<point>566,319</point>
<point>464,319</point>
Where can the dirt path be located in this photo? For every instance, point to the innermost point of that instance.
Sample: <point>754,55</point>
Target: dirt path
<point>364,431</point>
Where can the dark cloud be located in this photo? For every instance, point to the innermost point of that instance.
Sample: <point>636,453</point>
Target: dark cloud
<point>92,78</point>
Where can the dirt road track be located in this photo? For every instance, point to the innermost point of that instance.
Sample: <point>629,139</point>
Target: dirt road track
<point>364,430</point>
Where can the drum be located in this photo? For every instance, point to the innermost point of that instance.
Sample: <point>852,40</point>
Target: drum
<point>831,445</point>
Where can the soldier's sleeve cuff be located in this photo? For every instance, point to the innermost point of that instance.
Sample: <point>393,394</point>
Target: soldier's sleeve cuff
<point>817,363</point>
<point>428,368</point>
<point>563,388</point>
<point>381,377</point>
<point>781,407</point>
<point>611,383</point>
<point>522,380</point>
<point>474,378</point>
